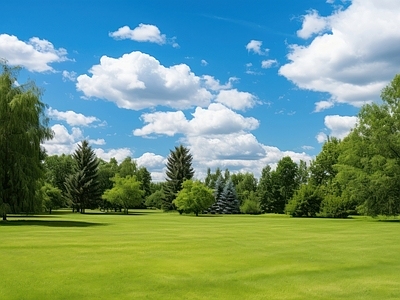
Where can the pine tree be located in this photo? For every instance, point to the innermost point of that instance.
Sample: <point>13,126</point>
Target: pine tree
<point>179,168</point>
<point>83,190</point>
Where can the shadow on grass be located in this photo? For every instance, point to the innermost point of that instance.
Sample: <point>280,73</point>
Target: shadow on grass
<point>116,213</point>
<point>49,223</point>
<point>389,220</point>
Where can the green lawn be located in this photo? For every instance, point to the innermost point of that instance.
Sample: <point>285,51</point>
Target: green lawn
<point>153,255</point>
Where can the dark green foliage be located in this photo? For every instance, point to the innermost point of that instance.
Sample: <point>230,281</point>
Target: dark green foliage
<point>179,168</point>
<point>83,189</point>
<point>52,197</point>
<point>251,205</point>
<point>144,176</point>
<point>154,200</point>
<point>334,207</point>
<point>322,169</point>
<point>276,188</point>
<point>244,183</point>
<point>305,202</point>
<point>23,127</point>
<point>58,168</point>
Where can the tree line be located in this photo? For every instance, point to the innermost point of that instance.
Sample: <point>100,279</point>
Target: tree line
<point>356,175</point>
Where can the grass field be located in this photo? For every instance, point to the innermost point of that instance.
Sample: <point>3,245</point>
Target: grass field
<point>153,255</point>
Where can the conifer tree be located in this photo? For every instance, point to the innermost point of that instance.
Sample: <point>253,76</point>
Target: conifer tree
<point>229,199</point>
<point>83,189</point>
<point>217,207</point>
<point>179,168</point>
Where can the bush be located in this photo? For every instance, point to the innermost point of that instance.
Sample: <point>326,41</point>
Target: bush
<point>334,207</point>
<point>305,202</point>
<point>251,205</point>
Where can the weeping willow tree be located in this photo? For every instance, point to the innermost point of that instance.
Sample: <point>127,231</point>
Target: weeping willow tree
<point>23,127</point>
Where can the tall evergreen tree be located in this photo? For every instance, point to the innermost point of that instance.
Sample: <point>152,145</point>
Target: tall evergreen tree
<point>23,127</point>
<point>179,168</point>
<point>229,199</point>
<point>217,206</point>
<point>82,186</point>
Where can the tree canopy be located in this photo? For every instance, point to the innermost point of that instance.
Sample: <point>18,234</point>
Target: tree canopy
<point>23,127</point>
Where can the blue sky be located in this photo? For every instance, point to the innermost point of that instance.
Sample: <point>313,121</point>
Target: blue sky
<point>241,83</point>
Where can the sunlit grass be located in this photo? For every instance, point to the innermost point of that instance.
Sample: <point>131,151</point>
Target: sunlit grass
<point>153,255</point>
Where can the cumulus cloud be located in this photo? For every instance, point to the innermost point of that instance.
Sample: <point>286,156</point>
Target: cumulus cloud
<point>36,55</point>
<point>142,33</point>
<point>340,126</point>
<point>313,23</point>
<point>71,117</point>
<point>119,154</point>
<point>321,137</point>
<point>214,84</point>
<point>204,62</point>
<point>322,105</point>
<point>352,58</point>
<point>155,164</point>
<point>217,137</point>
<point>216,119</point>
<point>255,47</point>
<point>64,142</point>
<point>97,142</point>
<point>236,100</point>
<point>137,81</point>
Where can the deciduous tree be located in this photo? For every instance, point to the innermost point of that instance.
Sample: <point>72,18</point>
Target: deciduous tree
<point>23,127</point>
<point>194,197</point>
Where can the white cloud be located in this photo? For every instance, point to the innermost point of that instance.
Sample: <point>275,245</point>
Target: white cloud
<point>168,123</point>
<point>71,117</point>
<point>313,23</point>
<point>217,137</point>
<point>213,84</point>
<point>266,64</point>
<point>71,76</point>
<point>322,105</point>
<point>321,137</point>
<point>36,55</point>
<point>236,100</point>
<point>255,46</point>
<point>216,119</point>
<point>151,161</point>
<point>204,62</point>
<point>142,33</point>
<point>119,154</point>
<point>354,60</point>
<point>137,81</point>
<point>340,126</point>
<point>97,142</point>
<point>63,142</point>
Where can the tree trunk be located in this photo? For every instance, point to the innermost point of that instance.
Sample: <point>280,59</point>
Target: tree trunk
<point>4,217</point>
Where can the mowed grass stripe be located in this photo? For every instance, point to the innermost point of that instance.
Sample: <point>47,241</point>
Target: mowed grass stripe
<point>153,255</point>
